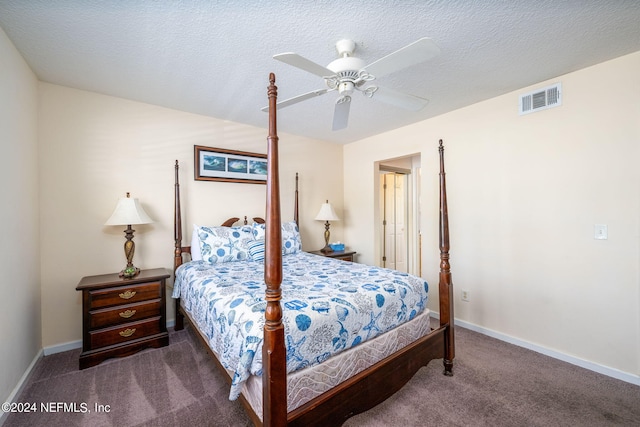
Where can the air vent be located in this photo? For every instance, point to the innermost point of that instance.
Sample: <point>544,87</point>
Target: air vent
<point>541,99</point>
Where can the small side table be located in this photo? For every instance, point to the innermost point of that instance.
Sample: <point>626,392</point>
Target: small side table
<point>122,316</point>
<point>343,255</point>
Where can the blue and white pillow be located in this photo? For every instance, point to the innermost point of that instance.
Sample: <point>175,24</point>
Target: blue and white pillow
<point>291,241</point>
<point>224,244</point>
<point>256,250</point>
<point>258,231</point>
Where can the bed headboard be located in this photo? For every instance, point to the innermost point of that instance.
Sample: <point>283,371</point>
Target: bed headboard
<point>177,220</point>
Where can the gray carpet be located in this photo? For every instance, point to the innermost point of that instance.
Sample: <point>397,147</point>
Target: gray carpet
<point>495,384</point>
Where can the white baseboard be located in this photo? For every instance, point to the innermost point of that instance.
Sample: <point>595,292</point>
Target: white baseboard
<point>595,367</point>
<point>59,348</point>
<point>18,388</point>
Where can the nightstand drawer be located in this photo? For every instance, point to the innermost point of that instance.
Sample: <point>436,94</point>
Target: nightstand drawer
<point>124,294</point>
<point>124,313</point>
<point>125,332</point>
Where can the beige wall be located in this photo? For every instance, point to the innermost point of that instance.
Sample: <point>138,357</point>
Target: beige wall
<point>20,335</point>
<point>95,148</point>
<point>524,195</point>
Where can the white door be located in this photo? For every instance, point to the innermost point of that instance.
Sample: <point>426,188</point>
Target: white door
<point>394,215</point>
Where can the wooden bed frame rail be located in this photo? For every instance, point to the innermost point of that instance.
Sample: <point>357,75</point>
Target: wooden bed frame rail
<point>368,388</point>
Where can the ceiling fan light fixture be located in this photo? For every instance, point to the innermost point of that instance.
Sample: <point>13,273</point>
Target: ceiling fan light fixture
<point>369,91</point>
<point>346,88</point>
<point>364,76</point>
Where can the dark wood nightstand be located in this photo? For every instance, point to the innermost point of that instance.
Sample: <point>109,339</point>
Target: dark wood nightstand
<point>343,255</point>
<point>122,316</point>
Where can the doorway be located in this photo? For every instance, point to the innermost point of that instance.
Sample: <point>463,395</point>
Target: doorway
<point>399,214</point>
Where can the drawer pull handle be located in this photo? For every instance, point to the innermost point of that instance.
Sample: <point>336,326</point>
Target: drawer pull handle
<point>127,294</point>
<point>127,332</point>
<point>127,314</point>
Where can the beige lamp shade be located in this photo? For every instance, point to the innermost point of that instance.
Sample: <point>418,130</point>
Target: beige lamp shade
<point>128,211</point>
<point>327,213</point>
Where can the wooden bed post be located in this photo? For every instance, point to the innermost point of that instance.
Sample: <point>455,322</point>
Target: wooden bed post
<point>445,285</point>
<point>274,372</point>
<point>177,236</point>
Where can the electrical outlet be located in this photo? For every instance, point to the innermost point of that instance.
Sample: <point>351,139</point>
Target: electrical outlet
<point>465,295</point>
<point>600,232</point>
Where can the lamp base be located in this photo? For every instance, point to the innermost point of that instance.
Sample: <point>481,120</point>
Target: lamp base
<point>129,248</point>
<point>129,272</point>
<point>327,234</point>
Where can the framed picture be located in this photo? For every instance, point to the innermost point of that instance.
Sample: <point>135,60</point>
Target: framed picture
<point>218,164</point>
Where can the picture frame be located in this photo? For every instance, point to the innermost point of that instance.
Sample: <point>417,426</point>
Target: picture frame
<point>219,164</point>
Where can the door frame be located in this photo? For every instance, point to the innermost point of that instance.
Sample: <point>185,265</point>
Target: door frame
<point>412,209</point>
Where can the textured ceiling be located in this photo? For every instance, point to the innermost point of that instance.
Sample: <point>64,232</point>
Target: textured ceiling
<point>213,57</point>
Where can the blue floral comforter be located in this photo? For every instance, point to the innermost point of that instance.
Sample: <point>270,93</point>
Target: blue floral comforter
<point>328,306</point>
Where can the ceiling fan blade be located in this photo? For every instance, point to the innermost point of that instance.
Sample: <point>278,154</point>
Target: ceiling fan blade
<point>399,99</point>
<point>297,99</point>
<point>303,63</point>
<point>341,113</point>
<point>419,51</point>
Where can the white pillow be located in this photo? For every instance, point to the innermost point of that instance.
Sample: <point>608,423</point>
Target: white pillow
<point>196,255</point>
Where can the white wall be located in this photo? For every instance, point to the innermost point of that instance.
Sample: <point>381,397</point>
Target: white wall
<point>20,335</point>
<point>524,195</point>
<point>95,148</point>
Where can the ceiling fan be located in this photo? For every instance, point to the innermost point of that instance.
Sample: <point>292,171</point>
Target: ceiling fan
<point>348,74</point>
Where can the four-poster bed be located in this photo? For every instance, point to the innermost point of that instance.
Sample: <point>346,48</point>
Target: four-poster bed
<point>296,388</point>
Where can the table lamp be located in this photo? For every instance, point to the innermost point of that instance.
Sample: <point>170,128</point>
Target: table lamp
<point>326,214</point>
<point>129,212</point>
